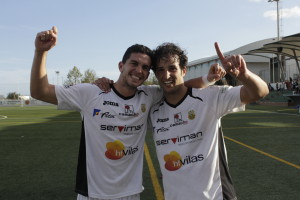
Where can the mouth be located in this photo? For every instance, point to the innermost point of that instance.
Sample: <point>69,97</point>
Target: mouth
<point>168,83</point>
<point>136,78</point>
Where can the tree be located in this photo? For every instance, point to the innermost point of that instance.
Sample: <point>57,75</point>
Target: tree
<point>74,76</point>
<point>12,95</point>
<point>151,80</point>
<point>89,76</point>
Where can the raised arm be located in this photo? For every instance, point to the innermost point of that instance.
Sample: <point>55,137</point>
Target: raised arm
<point>215,73</point>
<point>39,86</point>
<point>254,88</point>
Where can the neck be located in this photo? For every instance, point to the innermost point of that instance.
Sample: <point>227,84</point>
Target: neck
<point>175,97</point>
<point>124,89</point>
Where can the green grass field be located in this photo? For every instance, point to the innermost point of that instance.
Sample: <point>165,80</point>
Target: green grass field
<point>39,146</point>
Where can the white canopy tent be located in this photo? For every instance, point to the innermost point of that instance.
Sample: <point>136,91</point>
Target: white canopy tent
<point>288,46</point>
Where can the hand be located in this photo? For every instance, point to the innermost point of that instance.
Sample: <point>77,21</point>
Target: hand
<point>234,65</point>
<point>104,84</point>
<point>45,40</point>
<point>215,73</point>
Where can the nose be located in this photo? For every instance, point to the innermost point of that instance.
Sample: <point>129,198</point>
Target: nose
<point>166,74</point>
<point>139,69</point>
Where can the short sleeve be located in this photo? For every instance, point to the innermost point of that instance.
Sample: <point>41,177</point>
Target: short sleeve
<point>229,100</point>
<point>75,97</point>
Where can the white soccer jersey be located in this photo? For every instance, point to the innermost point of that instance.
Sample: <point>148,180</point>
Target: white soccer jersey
<point>189,143</point>
<point>110,159</point>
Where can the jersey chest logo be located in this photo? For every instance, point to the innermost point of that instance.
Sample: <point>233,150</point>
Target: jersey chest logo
<point>116,150</point>
<point>174,161</point>
<point>97,112</point>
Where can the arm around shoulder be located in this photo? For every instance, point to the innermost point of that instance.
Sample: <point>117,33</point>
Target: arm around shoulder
<point>215,73</point>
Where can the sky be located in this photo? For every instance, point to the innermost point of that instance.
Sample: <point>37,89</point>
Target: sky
<point>94,34</point>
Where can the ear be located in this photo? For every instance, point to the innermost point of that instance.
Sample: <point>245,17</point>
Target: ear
<point>120,66</point>
<point>183,71</point>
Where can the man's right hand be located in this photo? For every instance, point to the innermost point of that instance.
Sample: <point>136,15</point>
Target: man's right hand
<point>45,40</point>
<point>104,84</point>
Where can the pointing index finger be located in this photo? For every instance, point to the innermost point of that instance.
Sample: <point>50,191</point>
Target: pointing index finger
<point>219,52</point>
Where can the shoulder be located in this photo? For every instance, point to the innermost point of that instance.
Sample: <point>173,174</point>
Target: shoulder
<point>150,89</point>
<point>158,105</point>
<point>216,93</point>
<point>81,89</point>
<point>81,86</point>
<point>205,91</point>
<point>216,89</point>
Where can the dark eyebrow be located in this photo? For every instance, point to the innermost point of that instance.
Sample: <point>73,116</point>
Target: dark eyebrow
<point>135,61</point>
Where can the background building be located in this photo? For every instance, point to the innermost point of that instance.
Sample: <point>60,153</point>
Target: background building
<point>261,58</point>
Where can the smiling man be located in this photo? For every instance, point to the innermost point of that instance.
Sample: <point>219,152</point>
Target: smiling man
<point>186,125</point>
<point>110,161</point>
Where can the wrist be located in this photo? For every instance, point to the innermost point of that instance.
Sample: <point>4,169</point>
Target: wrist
<point>40,52</point>
<point>206,81</point>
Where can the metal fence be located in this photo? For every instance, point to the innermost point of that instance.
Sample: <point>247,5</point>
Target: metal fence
<point>21,103</point>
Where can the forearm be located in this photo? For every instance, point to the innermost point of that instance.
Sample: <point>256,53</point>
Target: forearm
<point>39,86</point>
<point>254,88</point>
<point>200,82</point>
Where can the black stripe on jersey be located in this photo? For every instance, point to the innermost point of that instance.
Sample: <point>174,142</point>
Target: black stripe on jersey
<point>181,100</point>
<point>81,177</point>
<point>190,92</point>
<point>119,94</point>
<point>226,180</point>
<point>159,106</point>
<point>142,91</point>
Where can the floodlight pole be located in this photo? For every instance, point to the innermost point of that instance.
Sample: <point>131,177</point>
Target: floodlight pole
<point>278,38</point>
<point>278,31</point>
<point>57,74</point>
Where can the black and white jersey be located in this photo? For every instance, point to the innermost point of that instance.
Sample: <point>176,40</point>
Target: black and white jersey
<point>190,146</point>
<point>110,160</point>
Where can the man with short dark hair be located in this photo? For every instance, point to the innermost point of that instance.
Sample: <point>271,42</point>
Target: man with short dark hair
<point>186,125</point>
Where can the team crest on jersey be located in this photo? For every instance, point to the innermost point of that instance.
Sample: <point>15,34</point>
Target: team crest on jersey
<point>143,107</point>
<point>175,162</point>
<point>191,114</point>
<point>116,150</point>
